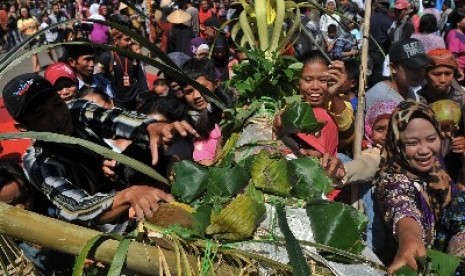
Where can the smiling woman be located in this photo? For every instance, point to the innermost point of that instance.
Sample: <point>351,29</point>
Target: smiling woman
<point>411,187</point>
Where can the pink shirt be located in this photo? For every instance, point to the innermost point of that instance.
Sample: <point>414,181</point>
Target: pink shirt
<point>206,149</point>
<point>326,140</point>
<point>455,42</point>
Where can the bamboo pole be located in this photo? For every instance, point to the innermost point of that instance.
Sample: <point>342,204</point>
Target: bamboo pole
<point>69,238</point>
<point>359,121</point>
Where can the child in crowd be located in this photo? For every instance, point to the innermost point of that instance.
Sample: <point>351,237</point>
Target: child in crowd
<point>362,170</point>
<point>63,79</point>
<point>350,88</point>
<point>320,85</point>
<point>205,115</point>
<point>160,87</point>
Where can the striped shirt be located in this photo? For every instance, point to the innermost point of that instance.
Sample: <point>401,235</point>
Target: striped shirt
<point>64,173</point>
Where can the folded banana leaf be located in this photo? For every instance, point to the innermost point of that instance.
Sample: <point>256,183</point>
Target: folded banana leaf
<point>269,174</point>
<point>190,181</point>
<point>238,220</point>
<point>337,225</point>
<point>227,181</point>
<point>308,178</point>
<point>299,117</point>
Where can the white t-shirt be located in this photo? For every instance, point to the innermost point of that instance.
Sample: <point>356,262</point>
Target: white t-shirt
<point>50,36</point>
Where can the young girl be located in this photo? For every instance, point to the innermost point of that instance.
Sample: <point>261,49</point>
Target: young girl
<point>205,116</point>
<point>320,85</point>
<point>411,188</point>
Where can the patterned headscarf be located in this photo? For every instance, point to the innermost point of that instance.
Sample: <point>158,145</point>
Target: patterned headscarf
<point>394,162</point>
<point>378,111</point>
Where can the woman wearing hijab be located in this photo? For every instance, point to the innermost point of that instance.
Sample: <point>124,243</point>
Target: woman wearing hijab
<point>411,188</point>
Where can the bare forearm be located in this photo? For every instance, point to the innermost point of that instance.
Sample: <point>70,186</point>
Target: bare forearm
<point>119,207</point>
<point>408,228</point>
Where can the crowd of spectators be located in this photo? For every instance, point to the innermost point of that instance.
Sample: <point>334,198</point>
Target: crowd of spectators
<point>410,174</point>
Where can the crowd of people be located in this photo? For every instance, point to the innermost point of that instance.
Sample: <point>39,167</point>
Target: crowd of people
<point>411,173</point>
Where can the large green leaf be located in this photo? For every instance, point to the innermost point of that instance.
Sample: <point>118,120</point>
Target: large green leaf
<point>337,225</point>
<point>269,174</point>
<point>227,181</point>
<point>434,263</point>
<point>299,117</point>
<point>294,252</point>
<point>308,179</point>
<point>190,181</point>
<point>201,219</point>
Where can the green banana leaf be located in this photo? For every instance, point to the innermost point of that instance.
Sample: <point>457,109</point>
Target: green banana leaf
<point>190,181</point>
<point>299,117</point>
<point>337,225</point>
<point>201,219</point>
<point>308,179</point>
<point>227,181</point>
<point>434,263</point>
<point>238,220</point>
<point>269,174</point>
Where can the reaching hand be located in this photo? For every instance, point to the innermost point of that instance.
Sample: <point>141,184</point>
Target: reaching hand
<point>407,254</point>
<point>162,133</point>
<point>144,199</point>
<point>458,144</point>
<point>333,166</point>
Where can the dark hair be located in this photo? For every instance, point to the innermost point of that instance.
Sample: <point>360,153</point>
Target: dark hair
<point>314,56</point>
<point>74,51</point>
<point>428,24</point>
<point>64,82</point>
<point>9,172</point>
<point>332,28</point>
<point>352,67</point>
<point>168,106</point>
<point>456,16</point>
<point>94,91</point>
<point>204,67</point>
<point>160,82</point>
<point>447,3</point>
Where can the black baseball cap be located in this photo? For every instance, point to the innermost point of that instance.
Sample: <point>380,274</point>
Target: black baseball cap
<point>21,90</point>
<point>408,52</point>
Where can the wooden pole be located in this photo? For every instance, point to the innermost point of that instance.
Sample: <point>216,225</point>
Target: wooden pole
<point>359,121</point>
<point>69,238</point>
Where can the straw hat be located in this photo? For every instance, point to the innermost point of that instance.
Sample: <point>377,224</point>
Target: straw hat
<point>122,6</point>
<point>178,17</point>
<point>165,3</point>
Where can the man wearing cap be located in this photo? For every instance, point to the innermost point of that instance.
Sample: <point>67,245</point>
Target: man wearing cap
<point>402,26</point>
<point>70,176</point>
<point>408,63</point>
<point>129,76</point>
<point>63,79</point>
